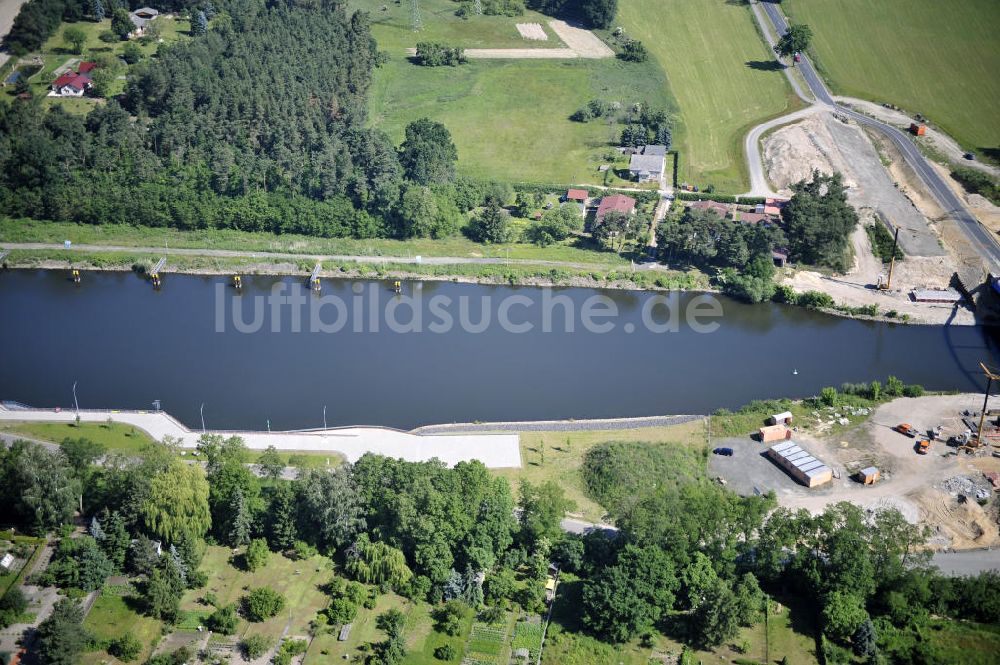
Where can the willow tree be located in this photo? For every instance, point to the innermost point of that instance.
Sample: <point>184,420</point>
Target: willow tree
<point>177,503</point>
<point>377,563</point>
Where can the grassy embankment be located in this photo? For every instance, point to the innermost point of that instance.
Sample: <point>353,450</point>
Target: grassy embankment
<point>117,437</point>
<point>508,118</point>
<point>722,75</point>
<point>590,266</point>
<point>937,60</point>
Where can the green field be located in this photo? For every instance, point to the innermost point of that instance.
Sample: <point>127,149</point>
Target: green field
<point>720,72</point>
<point>508,118</point>
<point>940,60</point>
<point>110,618</point>
<point>115,436</point>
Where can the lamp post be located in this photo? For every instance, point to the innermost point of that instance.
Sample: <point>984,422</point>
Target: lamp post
<point>202,411</point>
<point>75,403</point>
<point>324,416</point>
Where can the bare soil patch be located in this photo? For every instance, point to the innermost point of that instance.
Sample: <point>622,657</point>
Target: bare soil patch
<point>533,31</point>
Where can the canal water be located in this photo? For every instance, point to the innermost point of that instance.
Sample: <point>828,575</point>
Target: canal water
<point>377,358</point>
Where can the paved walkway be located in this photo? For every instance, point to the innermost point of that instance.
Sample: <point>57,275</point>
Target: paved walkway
<point>559,425</point>
<point>494,450</point>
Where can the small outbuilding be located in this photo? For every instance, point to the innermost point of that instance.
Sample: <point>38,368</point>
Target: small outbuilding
<point>773,433</point>
<point>783,418</point>
<point>799,464</point>
<point>345,632</point>
<point>7,561</point>
<point>869,475</point>
<point>579,195</point>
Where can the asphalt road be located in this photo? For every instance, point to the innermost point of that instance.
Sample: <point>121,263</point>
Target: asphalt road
<point>980,238</point>
<point>970,562</point>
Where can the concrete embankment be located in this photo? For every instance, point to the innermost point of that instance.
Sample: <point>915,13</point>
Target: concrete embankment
<point>496,451</point>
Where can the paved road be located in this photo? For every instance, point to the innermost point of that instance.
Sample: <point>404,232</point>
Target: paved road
<point>558,425</point>
<point>581,527</point>
<point>971,562</point>
<point>980,238</point>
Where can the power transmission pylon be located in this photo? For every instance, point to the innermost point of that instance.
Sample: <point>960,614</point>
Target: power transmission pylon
<point>415,15</point>
<point>479,7</point>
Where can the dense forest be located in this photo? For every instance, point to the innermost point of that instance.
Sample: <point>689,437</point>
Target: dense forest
<point>692,559</point>
<point>256,125</point>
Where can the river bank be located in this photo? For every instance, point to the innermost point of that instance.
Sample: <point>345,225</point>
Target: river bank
<point>649,277</point>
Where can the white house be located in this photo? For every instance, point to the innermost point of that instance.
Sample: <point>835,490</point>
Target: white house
<point>7,561</point>
<point>649,163</point>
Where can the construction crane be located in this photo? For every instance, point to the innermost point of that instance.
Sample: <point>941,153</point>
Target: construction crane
<point>887,284</point>
<point>415,15</point>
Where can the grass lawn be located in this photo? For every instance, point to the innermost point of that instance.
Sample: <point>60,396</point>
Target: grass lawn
<point>111,617</point>
<point>936,59</point>
<point>418,634</point>
<point>115,436</point>
<point>720,72</point>
<point>788,633</point>
<point>965,641</point>
<point>298,581</point>
<point>564,452</point>
<point>394,31</point>
<point>508,118</point>
<point>138,236</point>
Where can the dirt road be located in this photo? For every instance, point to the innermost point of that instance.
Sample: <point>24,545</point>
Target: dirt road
<point>8,11</point>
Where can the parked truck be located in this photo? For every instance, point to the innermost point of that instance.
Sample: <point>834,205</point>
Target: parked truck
<point>906,429</point>
<point>923,446</point>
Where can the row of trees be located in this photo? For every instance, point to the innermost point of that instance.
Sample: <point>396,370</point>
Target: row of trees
<point>595,13</point>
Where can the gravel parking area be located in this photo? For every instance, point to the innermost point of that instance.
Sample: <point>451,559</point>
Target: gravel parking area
<point>748,471</point>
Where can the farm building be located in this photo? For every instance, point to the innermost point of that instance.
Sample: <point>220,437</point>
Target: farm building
<point>617,203</point>
<point>869,475</point>
<point>783,418</point>
<point>7,561</point>
<point>141,18</point>
<point>773,433</point>
<point>648,164</point>
<point>578,195</point>
<point>799,464</point>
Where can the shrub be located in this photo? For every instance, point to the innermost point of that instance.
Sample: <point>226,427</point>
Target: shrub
<point>126,648</point>
<point>223,620</point>
<point>634,51</point>
<point>254,646</point>
<point>449,618</point>
<point>434,54</point>
<point>445,652</point>
<point>814,299</point>
<point>262,604</point>
<point>828,396</point>
<point>914,390</point>
<point>256,554</point>
<point>977,182</point>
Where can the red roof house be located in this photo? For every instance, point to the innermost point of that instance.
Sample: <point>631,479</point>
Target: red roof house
<point>86,67</point>
<point>617,203</point>
<point>721,209</point>
<point>580,195</point>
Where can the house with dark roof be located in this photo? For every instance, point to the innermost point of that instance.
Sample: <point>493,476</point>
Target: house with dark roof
<point>141,18</point>
<point>648,163</point>
<point>614,203</point>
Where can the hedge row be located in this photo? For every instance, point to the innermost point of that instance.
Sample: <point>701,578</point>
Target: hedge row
<point>720,198</point>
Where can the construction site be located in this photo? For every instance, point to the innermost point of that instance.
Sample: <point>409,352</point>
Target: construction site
<point>942,278</point>
<point>934,458</point>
